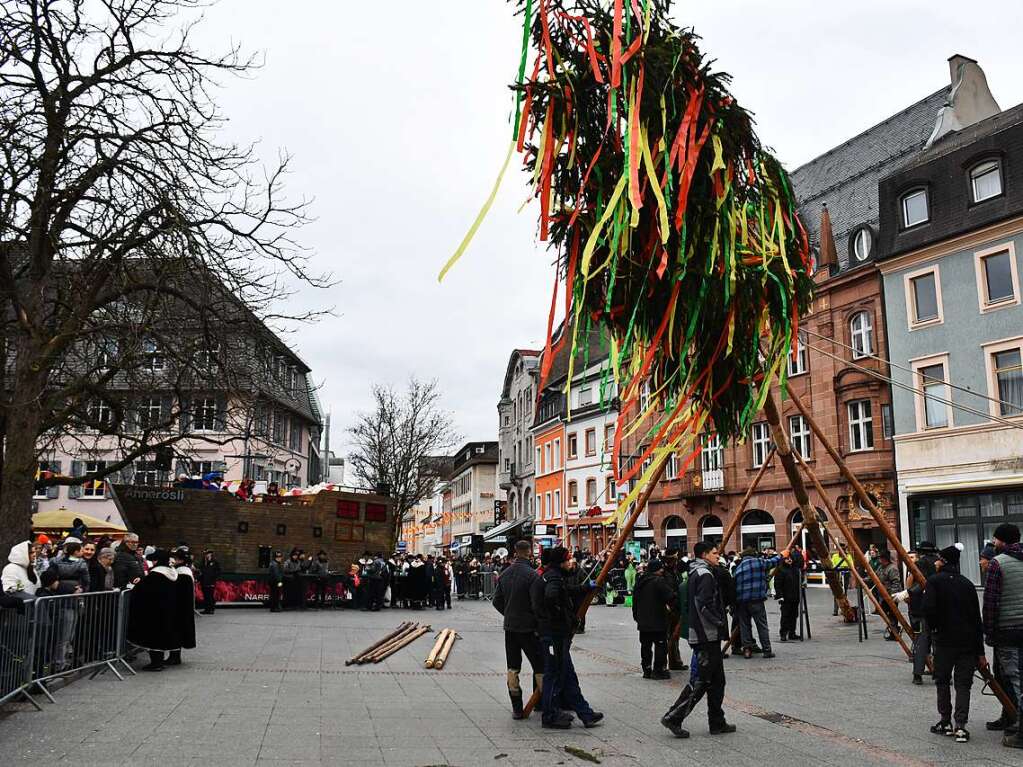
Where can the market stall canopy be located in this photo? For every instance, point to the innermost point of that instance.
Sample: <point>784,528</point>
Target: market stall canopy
<point>62,519</point>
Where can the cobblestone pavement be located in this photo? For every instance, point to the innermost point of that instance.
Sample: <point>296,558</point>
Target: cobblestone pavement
<point>273,690</point>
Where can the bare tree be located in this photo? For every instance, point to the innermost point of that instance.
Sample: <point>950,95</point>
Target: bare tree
<point>395,443</point>
<point>134,239</point>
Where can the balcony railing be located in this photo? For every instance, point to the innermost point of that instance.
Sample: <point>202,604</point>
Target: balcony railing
<point>699,482</point>
<point>506,477</point>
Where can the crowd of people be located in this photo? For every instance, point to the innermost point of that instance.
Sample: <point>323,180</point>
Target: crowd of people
<point>376,581</point>
<point>161,613</point>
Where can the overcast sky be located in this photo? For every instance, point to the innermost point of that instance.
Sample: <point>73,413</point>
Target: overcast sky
<point>397,115</point>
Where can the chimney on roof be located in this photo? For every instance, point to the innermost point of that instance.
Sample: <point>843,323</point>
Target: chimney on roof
<point>969,98</point>
<point>954,62</point>
<point>827,258</point>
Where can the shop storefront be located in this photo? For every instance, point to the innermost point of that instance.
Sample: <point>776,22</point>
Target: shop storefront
<point>967,518</point>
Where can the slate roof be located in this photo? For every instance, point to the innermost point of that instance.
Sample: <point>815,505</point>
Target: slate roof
<point>846,177</point>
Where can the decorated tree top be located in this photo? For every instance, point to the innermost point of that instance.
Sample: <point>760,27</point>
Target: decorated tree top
<point>676,231</point>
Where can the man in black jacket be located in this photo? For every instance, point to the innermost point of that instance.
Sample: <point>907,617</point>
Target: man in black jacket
<point>707,630</point>
<point>650,600</point>
<point>209,574</point>
<point>952,612</point>
<point>512,598</point>
<point>127,567</point>
<point>554,607</point>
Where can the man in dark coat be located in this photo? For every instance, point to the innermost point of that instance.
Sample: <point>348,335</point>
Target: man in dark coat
<point>127,567</point>
<point>952,612</point>
<point>181,560</point>
<point>440,584</point>
<point>275,580</point>
<point>153,615</point>
<point>926,559</point>
<point>512,598</point>
<point>209,574</point>
<point>707,630</point>
<point>319,570</point>
<point>294,585</point>
<point>651,598</point>
<point>788,588</point>
<point>554,606</point>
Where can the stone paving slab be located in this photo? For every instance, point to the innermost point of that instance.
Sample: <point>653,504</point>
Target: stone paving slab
<point>266,690</point>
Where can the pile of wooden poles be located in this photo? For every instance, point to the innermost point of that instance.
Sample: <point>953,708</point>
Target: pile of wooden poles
<point>406,633</point>
<point>439,654</point>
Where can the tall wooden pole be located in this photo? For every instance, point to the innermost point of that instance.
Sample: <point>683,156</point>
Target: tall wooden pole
<point>864,497</point>
<point>810,523</point>
<point>858,555</point>
<point>735,520</point>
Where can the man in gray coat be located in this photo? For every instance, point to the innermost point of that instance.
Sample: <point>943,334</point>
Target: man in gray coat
<point>706,632</point>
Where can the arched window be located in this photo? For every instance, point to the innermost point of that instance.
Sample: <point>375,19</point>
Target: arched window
<point>985,180</point>
<point>674,534</point>
<point>757,530</point>
<point>711,529</point>
<point>862,335</point>
<point>915,208</point>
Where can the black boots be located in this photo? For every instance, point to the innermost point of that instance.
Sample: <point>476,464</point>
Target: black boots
<point>678,712</point>
<point>516,701</point>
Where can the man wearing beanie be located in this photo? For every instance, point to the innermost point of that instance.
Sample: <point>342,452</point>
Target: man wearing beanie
<point>951,611</point>
<point>1003,620</point>
<point>650,600</point>
<point>555,613</point>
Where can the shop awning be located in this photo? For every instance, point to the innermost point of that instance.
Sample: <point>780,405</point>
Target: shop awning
<point>500,533</point>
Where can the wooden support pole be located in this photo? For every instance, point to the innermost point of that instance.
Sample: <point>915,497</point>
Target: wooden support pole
<point>810,523</point>
<point>369,657</point>
<point>390,649</point>
<point>401,627</point>
<point>735,520</point>
<point>432,657</point>
<point>624,531</point>
<point>445,650</point>
<point>795,537</point>
<point>864,497</point>
<point>861,560</point>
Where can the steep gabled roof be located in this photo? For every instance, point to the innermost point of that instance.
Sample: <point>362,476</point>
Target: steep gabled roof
<point>846,177</point>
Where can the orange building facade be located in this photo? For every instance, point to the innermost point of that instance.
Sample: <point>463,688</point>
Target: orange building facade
<point>549,460</point>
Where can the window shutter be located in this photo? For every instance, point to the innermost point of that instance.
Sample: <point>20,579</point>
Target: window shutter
<point>77,468</point>
<point>185,417</point>
<point>53,491</point>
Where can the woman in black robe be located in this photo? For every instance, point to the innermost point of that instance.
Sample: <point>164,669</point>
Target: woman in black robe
<point>153,616</point>
<point>185,607</point>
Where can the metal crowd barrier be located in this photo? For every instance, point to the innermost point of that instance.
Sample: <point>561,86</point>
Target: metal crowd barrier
<point>56,636</point>
<point>16,642</point>
<point>481,585</point>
